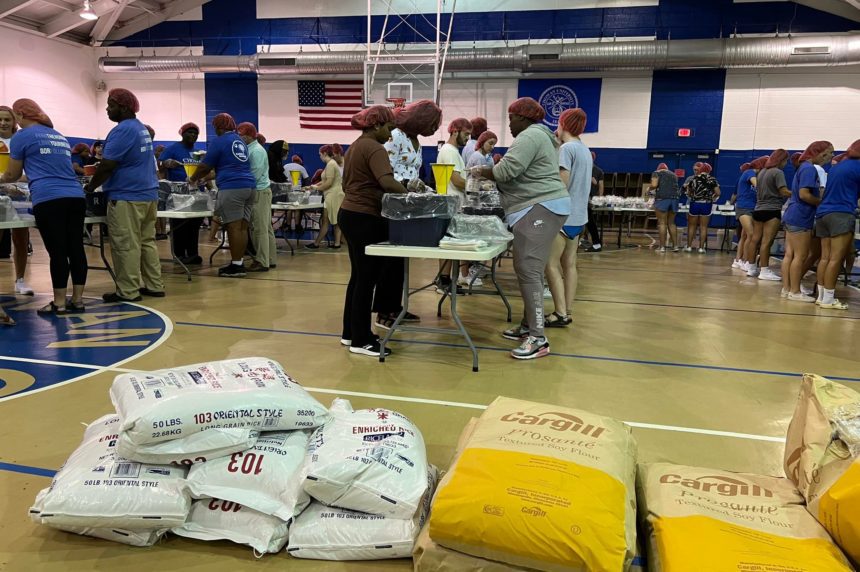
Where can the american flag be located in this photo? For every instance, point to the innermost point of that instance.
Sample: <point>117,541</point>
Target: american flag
<point>329,104</point>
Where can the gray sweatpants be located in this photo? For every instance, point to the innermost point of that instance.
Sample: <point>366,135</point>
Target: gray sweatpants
<point>533,236</point>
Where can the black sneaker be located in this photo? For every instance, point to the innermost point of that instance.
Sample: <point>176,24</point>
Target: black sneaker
<point>191,260</point>
<point>410,317</point>
<point>152,293</point>
<point>114,297</point>
<point>232,271</point>
<point>593,248</point>
<point>372,349</point>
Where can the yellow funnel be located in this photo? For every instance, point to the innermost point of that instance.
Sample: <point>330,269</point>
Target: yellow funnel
<point>442,173</point>
<point>296,176</point>
<point>190,168</point>
<point>4,162</point>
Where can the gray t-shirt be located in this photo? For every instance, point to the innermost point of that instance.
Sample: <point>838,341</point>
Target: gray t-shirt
<point>667,185</point>
<point>769,182</point>
<point>575,158</point>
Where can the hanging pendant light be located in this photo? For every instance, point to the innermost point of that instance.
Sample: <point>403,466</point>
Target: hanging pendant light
<point>87,13</point>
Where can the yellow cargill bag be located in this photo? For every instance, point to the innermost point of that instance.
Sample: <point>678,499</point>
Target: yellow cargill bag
<point>541,486</point>
<point>822,457</point>
<point>706,520</point>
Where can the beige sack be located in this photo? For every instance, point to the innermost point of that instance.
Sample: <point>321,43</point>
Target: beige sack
<point>706,520</point>
<point>541,486</point>
<point>822,457</point>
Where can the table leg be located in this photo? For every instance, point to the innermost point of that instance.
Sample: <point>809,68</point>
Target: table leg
<point>102,232</point>
<point>221,246</point>
<point>456,316</point>
<point>499,288</point>
<point>400,316</point>
<point>175,259</point>
<point>620,228</point>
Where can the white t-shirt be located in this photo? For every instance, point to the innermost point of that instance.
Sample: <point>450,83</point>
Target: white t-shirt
<point>295,167</point>
<point>822,175</point>
<point>405,159</point>
<point>469,149</point>
<point>450,155</point>
<point>7,143</point>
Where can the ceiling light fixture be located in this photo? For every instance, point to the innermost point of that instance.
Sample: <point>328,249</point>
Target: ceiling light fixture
<point>87,13</point>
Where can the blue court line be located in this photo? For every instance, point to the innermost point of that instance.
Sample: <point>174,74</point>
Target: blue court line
<point>27,470</point>
<point>498,349</point>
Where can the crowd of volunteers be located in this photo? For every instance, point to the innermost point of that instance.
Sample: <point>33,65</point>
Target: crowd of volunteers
<point>544,180</point>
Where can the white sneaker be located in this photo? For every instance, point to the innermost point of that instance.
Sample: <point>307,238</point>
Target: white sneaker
<point>805,291</point>
<point>661,250</point>
<point>752,271</point>
<point>801,298</point>
<point>736,264</point>
<point>784,293</point>
<point>703,250</point>
<point>345,342</point>
<point>22,288</point>
<point>769,275</point>
<point>546,293</point>
<point>688,249</point>
<point>465,281</point>
<point>835,305</point>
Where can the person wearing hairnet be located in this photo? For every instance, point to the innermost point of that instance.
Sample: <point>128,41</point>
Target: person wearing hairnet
<point>20,237</point>
<point>483,154</point>
<point>703,190</point>
<point>459,131</point>
<point>664,183</point>
<point>771,193</point>
<point>331,186</point>
<point>479,127</point>
<point>186,233</point>
<point>745,199</point>
<point>262,233</point>
<point>127,175</point>
<point>80,154</point>
<point>536,204</point>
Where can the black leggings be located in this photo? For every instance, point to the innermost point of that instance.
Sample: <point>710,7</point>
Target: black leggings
<point>361,230</point>
<point>592,226</point>
<point>61,224</point>
<point>186,235</point>
<point>388,298</point>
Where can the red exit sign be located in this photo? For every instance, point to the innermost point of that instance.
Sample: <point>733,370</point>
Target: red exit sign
<point>685,132</point>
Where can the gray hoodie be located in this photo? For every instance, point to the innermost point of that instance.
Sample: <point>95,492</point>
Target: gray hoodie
<point>528,174</point>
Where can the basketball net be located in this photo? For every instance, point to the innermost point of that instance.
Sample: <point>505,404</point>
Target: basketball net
<point>397,102</point>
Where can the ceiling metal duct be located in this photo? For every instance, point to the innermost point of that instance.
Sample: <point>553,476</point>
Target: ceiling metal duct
<point>827,50</point>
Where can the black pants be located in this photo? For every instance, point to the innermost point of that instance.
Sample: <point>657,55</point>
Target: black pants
<point>61,222</point>
<point>388,298</point>
<point>361,230</point>
<point>592,227</point>
<point>186,234</point>
<point>5,244</point>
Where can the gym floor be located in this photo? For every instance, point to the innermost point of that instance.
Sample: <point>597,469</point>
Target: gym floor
<point>704,362</point>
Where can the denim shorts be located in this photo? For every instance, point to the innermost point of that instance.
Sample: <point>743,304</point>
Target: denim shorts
<point>739,212</point>
<point>795,229</point>
<point>666,205</point>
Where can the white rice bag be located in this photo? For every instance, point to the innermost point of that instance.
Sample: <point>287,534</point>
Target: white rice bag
<point>253,393</point>
<point>267,478</point>
<point>196,448</point>
<point>326,533</point>
<point>371,460</point>
<point>96,488</point>
<point>130,537</point>
<point>215,519</point>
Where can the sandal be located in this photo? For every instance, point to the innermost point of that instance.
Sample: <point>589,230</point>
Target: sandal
<point>52,308</point>
<point>6,320</point>
<point>559,321</point>
<point>73,308</point>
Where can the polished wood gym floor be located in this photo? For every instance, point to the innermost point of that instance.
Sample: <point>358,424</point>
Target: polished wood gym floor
<point>703,361</point>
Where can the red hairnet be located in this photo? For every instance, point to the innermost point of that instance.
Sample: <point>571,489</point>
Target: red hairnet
<point>326,150</point>
<point>573,121</point>
<point>758,164</point>
<point>29,109</point>
<point>124,98</point>
<point>776,158</point>
<point>337,149</point>
<point>479,125</point>
<point>151,131</point>
<point>12,113</point>
<point>497,157</point>
<point>745,167</point>
<point>698,165</point>
<point>486,136</point>
<point>706,168</point>
<point>80,148</point>
<point>376,115</point>
<point>297,160</point>
<point>247,129</point>
<point>224,122</point>
<point>459,124</point>
<point>188,126</point>
<point>662,167</point>
<point>854,150</point>
<point>261,139</point>
<point>528,108</point>
<point>795,159</point>
<point>419,118</point>
<point>815,149</point>
<point>317,176</point>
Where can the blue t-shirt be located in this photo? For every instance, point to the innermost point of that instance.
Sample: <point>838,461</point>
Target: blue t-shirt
<point>181,153</point>
<point>843,188</point>
<point>746,191</point>
<point>134,178</point>
<point>78,160</point>
<point>229,156</point>
<point>46,156</point>
<point>575,158</point>
<point>799,212</point>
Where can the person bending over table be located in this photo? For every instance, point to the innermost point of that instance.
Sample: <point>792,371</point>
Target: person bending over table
<point>186,235</point>
<point>262,233</point>
<point>20,236</point>
<point>367,176</point>
<point>744,201</point>
<point>228,156</point>
<point>127,175</point>
<point>331,186</point>
<point>537,205</point>
<point>58,201</point>
<point>664,183</point>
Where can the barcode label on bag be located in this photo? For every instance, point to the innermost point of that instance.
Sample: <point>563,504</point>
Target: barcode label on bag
<point>126,470</point>
<point>150,383</point>
<point>270,422</point>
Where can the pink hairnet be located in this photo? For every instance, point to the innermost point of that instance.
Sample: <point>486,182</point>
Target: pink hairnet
<point>375,115</point>
<point>484,137</point>
<point>697,166</point>
<point>297,160</point>
<point>459,124</point>
<point>419,118</point>
<point>854,150</point>
<point>662,167</point>
<point>528,108</point>
<point>29,109</point>
<point>337,149</point>
<point>745,167</point>
<point>317,176</point>
<point>187,126</point>
<point>479,125</point>
<point>758,164</point>
<point>573,121</point>
<point>497,157</point>
<point>261,139</point>
<point>224,122</point>
<point>776,158</point>
<point>815,149</point>
<point>80,148</point>
<point>706,168</point>
<point>125,98</point>
<point>326,150</point>
<point>795,159</point>
<point>247,129</point>
<point>151,131</point>
<point>12,113</point>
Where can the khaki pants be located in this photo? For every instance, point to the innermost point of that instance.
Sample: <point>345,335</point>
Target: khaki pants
<point>132,243</point>
<point>262,233</point>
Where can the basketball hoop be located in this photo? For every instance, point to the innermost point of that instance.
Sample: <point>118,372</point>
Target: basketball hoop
<point>397,102</point>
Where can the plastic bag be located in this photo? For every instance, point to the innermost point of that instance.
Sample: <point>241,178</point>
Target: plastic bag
<point>196,448</point>
<point>194,202</point>
<point>406,206</point>
<point>216,519</point>
<point>129,537</point>
<point>466,244</point>
<point>280,192</point>
<point>8,212</point>
<point>478,227</point>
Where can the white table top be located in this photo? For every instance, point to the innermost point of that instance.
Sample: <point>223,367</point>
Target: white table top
<point>624,209</point>
<point>293,207</point>
<point>435,253</point>
<point>184,214</point>
<point>31,223</point>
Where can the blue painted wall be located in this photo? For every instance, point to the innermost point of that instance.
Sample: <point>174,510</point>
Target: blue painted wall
<point>686,98</point>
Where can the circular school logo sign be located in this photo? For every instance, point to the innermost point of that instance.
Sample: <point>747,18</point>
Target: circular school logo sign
<point>555,100</point>
<point>42,352</point>
<point>240,151</point>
